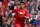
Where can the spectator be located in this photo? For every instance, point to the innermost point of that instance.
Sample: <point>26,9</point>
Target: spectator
<point>29,7</point>
<point>3,10</point>
<point>34,3</point>
<point>37,22</point>
<point>12,21</point>
<point>4,23</point>
<point>34,7</point>
<point>16,1</point>
<point>36,12</point>
<point>7,11</point>
<point>39,6</point>
<point>31,2</point>
<point>38,2</point>
<point>17,5</point>
<point>11,7</point>
<point>32,19</point>
<point>39,13</point>
<point>5,3</point>
<point>3,18</point>
<point>10,1</point>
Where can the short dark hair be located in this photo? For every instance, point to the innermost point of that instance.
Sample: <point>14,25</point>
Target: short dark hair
<point>22,2</point>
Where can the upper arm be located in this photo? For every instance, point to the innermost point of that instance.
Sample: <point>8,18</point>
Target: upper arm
<point>15,10</point>
<point>27,13</point>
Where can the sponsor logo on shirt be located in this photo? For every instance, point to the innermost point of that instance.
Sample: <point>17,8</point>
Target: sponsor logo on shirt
<point>22,12</point>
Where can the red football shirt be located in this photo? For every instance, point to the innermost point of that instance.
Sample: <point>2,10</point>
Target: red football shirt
<point>25,3</point>
<point>0,8</point>
<point>20,15</point>
<point>3,3</point>
<point>0,14</point>
<point>4,12</point>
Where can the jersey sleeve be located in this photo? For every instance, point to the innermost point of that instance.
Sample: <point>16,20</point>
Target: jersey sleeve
<point>27,13</point>
<point>15,10</point>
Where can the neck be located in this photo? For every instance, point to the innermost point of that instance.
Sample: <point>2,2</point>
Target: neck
<point>21,8</point>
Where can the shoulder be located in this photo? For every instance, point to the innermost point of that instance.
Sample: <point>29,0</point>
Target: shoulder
<point>26,9</point>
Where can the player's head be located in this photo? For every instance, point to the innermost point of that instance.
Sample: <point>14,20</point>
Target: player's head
<point>22,4</point>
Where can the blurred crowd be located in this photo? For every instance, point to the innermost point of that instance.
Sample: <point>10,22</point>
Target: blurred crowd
<point>6,6</point>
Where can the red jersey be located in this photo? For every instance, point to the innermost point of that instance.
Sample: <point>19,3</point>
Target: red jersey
<point>0,8</point>
<point>3,3</point>
<point>4,12</point>
<point>25,3</point>
<point>20,15</point>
